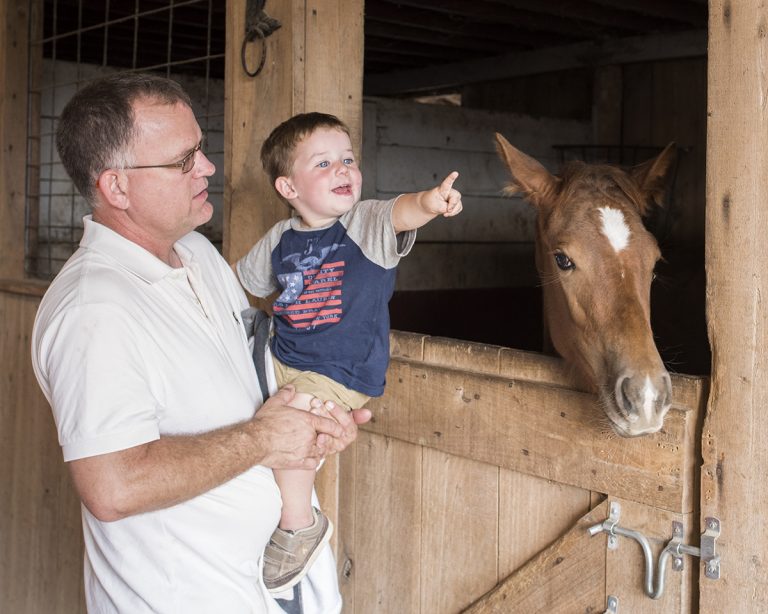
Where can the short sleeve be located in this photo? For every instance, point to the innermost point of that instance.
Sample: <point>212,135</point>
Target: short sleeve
<point>254,270</point>
<point>98,380</point>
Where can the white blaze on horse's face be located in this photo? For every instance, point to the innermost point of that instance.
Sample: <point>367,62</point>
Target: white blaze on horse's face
<point>615,227</point>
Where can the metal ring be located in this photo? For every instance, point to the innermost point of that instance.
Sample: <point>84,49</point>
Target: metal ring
<point>249,36</point>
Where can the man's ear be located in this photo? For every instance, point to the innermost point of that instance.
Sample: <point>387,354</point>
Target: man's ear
<point>112,184</point>
<point>285,188</point>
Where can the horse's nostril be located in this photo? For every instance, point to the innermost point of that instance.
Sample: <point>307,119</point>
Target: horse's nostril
<point>624,400</point>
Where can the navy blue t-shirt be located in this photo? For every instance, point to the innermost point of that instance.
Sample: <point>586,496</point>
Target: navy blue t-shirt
<point>332,314</point>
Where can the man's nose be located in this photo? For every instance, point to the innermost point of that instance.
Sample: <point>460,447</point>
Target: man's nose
<point>203,166</point>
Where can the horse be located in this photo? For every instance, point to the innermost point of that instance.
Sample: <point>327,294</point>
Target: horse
<point>596,263</point>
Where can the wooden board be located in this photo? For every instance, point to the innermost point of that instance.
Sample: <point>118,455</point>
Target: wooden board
<point>300,75</point>
<point>459,517</point>
<point>566,577</point>
<point>381,543</point>
<point>42,562</point>
<point>547,431</point>
<point>14,45</point>
<point>735,434</point>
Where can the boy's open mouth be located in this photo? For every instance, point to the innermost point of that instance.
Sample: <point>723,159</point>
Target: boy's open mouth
<point>343,189</point>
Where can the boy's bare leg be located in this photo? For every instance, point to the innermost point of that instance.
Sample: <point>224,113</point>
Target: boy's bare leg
<point>296,485</point>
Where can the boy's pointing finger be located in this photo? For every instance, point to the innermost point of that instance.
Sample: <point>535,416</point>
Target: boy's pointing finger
<point>447,185</point>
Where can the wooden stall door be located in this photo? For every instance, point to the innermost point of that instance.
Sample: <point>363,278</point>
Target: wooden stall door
<point>474,486</point>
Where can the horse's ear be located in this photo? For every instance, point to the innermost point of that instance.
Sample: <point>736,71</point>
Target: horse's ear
<point>529,177</point>
<point>653,176</point>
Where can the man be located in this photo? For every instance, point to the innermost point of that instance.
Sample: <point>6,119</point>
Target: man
<point>139,347</point>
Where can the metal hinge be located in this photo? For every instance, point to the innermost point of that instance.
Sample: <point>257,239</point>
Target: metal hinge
<point>674,549</point>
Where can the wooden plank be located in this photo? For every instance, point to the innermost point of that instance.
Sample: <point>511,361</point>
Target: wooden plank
<point>735,455</point>
<point>384,541</point>
<point>540,430</point>
<point>618,51</point>
<point>566,577</point>
<point>334,35</point>
<point>41,566</point>
<point>460,524</point>
<point>14,45</point>
<point>485,219</point>
<point>297,77</point>
<point>607,106</point>
<point>458,129</point>
<point>688,391</point>
<point>253,106</point>
<point>26,287</point>
<point>534,513</point>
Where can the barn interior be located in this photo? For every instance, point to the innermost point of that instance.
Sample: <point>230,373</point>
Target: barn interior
<point>604,80</point>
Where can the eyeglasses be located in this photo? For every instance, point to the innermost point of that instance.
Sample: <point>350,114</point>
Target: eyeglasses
<point>186,164</point>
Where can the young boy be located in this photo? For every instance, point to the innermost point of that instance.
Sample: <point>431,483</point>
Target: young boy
<point>334,263</point>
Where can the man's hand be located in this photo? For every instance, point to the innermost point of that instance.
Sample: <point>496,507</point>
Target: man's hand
<point>296,439</point>
<point>443,199</point>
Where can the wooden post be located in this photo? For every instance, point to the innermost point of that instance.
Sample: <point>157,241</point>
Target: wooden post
<point>734,487</point>
<point>314,62</point>
<point>13,134</point>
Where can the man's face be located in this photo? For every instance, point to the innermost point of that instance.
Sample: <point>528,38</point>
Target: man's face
<point>164,202</point>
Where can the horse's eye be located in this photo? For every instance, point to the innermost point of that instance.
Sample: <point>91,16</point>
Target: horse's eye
<point>564,263</point>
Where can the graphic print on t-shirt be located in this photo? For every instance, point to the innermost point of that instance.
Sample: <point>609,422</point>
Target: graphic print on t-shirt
<point>311,294</point>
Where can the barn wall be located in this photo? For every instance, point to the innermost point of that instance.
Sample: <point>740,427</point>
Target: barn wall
<point>411,147</point>
<point>639,104</point>
<point>40,525</point>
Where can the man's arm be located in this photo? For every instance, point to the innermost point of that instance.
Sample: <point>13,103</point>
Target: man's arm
<point>415,209</point>
<point>174,469</point>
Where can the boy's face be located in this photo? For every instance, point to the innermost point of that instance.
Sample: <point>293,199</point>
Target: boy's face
<point>325,181</point>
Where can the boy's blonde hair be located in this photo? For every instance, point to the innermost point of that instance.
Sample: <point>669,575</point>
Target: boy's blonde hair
<point>277,152</point>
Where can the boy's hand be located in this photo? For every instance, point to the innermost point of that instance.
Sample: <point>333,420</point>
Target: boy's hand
<point>443,199</point>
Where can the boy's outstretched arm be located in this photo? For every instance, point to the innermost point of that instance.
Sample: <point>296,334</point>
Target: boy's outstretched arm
<point>415,209</point>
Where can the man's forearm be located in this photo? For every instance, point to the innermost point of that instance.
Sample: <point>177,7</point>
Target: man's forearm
<point>164,472</point>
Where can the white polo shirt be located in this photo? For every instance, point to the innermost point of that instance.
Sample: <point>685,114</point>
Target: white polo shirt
<point>128,349</point>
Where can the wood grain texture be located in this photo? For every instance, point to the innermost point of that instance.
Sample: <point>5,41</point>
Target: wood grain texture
<point>14,45</point>
<point>735,433</point>
<point>566,577</point>
<point>40,526</point>
<point>541,430</point>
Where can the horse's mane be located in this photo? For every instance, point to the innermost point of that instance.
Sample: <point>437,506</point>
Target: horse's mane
<point>602,178</point>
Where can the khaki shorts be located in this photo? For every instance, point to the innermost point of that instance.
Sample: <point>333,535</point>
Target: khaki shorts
<point>320,386</point>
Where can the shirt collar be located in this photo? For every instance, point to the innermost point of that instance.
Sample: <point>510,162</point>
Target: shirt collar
<point>129,255</point>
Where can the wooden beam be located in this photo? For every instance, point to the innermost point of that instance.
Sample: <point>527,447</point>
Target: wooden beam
<point>14,46</point>
<point>590,54</point>
<point>567,576</point>
<point>733,479</point>
<point>301,73</point>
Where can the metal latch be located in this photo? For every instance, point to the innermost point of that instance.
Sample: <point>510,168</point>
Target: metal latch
<point>674,549</point>
<point>613,605</point>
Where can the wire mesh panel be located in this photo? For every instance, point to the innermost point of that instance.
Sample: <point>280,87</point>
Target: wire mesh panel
<point>75,41</point>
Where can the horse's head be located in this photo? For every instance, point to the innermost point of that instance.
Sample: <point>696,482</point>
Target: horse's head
<point>596,262</point>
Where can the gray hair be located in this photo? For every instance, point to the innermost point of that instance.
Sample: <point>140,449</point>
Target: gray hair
<point>96,128</point>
